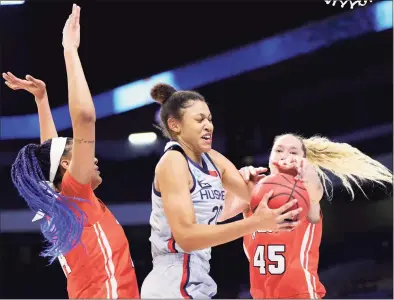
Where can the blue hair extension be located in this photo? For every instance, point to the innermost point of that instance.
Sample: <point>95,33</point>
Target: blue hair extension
<point>64,228</point>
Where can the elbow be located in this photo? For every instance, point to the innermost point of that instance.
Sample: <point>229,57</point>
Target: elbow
<point>86,117</point>
<point>186,244</point>
<point>314,219</point>
<point>187,247</point>
<point>185,241</point>
<point>314,215</point>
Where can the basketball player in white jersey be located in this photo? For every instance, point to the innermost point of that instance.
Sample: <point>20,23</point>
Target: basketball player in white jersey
<point>188,195</point>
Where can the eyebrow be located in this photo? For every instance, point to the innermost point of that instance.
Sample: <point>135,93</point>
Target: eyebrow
<point>292,147</point>
<point>204,116</point>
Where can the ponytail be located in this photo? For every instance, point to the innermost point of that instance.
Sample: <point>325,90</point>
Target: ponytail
<point>346,162</point>
<point>64,226</point>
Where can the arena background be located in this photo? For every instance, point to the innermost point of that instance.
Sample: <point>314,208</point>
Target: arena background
<point>265,68</point>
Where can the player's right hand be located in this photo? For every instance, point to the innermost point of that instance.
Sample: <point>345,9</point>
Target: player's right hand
<point>71,30</point>
<point>274,219</point>
<point>32,85</point>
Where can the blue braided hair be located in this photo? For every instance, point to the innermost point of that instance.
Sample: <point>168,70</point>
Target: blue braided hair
<point>29,173</point>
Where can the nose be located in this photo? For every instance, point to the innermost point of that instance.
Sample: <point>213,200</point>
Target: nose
<point>209,127</point>
<point>95,161</point>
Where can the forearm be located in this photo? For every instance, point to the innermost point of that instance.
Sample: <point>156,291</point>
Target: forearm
<point>47,125</point>
<point>313,185</point>
<point>232,207</point>
<point>314,212</point>
<point>80,100</point>
<point>200,236</point>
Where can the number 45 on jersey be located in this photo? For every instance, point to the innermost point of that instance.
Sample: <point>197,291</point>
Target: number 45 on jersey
<point>276,260</point>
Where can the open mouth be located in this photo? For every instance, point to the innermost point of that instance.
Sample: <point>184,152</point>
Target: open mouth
<point>207,137</point>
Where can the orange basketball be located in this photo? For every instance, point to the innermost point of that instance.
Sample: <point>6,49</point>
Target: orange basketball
<point>285,188</point>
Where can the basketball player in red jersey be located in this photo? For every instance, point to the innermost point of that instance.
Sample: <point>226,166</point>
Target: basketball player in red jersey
<point>57,179</point>
<point>284,265</point>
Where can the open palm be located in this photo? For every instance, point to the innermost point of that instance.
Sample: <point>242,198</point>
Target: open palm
<point>71,30</point>
<point>34,86</point>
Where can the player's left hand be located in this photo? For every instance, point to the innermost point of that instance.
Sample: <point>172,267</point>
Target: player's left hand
<point>252,174</point>
<point>34,86</point>
<point>299,164</point>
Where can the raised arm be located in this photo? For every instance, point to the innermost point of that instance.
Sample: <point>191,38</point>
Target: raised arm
<point>38,89</point>
<point>83,115</point>
<point>172,175</point>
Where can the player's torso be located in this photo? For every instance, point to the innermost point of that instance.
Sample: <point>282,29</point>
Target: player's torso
<point>284,265</point>
<point>102,266</point>
<point>207,194</point>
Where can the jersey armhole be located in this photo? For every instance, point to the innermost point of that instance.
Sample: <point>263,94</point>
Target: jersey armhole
<point>178,148</point>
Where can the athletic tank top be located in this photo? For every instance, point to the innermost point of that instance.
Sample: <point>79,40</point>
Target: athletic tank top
<point>207,195</point>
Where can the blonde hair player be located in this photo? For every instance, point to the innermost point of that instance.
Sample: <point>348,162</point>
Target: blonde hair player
<point>289,269</point>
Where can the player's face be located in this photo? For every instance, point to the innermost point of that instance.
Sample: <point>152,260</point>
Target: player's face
<point>285,147</point>
<point>96,178</point>
<point>196,128</point>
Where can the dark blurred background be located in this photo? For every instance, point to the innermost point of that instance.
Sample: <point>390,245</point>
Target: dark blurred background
<point>332,76</point>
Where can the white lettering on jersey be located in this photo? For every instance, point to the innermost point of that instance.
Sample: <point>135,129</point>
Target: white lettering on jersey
<point>207,196</point>
<point>260,231</point>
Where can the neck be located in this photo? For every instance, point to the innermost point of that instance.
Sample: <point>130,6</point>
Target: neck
<point>196,157</point>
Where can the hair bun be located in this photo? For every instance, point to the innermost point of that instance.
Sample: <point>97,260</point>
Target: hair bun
<point>161,92</point>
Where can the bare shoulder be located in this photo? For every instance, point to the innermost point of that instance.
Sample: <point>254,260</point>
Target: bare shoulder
<point>172,162</point>
<point>172,174</point>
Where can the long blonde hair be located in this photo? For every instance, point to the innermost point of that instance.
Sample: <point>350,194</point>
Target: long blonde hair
<point>346,162</point>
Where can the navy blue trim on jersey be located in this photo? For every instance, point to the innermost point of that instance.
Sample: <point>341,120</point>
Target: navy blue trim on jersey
<point>184,287</point>
<point>204,167</point>
<point>177,148</point>
<point>210,159</point>
<point>156,192</point>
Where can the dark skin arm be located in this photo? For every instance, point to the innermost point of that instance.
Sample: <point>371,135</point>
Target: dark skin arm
<point>82,111</point>
<point>172,175</point>
<point>239,191</point>
<point>38,89</point>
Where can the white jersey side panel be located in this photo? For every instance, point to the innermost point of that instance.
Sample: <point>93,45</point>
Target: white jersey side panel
<point>208,198</point>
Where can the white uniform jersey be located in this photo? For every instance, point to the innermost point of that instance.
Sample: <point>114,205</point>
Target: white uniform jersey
<point>207,195</point>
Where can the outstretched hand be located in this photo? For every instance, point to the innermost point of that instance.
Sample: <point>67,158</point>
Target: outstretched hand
<point>253,174</point>
<point>297,164</point>
<point>71,30</point>
<point>32,85</point>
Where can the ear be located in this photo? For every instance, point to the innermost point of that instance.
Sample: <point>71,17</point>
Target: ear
<point>174,125</point>
<point>65,163</point>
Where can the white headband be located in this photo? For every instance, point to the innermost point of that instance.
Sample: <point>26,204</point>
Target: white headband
<point>57,148</point>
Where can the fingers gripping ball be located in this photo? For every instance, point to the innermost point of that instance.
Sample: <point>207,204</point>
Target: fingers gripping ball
<point>285,188</point>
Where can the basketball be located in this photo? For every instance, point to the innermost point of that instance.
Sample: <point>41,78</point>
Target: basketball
<point>285,189</point>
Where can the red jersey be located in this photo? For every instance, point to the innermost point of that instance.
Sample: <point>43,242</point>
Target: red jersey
<point>284,265</point>
<point>100,266</point>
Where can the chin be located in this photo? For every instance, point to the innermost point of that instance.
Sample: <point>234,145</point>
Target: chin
<point>96,181</point>
<point>204,148</point>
